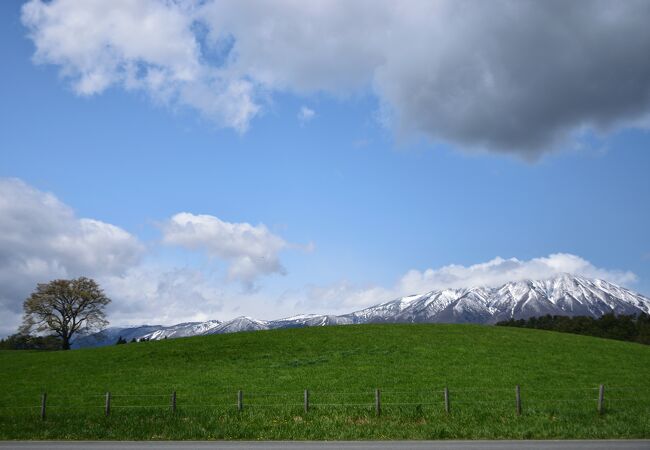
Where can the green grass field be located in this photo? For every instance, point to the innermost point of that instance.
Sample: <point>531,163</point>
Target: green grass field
<point>341,366</point>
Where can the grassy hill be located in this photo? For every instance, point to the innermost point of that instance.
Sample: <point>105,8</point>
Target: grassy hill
<point>341,366</point>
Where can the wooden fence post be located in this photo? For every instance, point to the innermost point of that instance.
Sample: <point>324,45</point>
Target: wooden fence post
<point>240,400</point>
<point>601,399</point>
<point>306,400</point>
<point>43,403</point>
<point>447,405</point>
<point>108,404</point>
<point>518,400</point>
<point>378,402</point>
<point>174,401</point>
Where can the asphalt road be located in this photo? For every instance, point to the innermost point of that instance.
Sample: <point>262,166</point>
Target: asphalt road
<point>306,445</point>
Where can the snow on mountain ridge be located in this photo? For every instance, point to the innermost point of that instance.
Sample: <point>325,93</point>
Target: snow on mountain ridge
<point>562,295</point>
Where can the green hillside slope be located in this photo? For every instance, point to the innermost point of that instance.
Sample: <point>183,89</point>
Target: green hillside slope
<point>341,366</point>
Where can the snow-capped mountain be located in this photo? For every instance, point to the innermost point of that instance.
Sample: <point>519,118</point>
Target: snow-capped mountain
<point>184,330</point>
<point>311,320</point>
<point>562,295</point>
<point>239,324</point>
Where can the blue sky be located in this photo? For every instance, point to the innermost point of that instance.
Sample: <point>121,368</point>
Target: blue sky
<point>358,196</point>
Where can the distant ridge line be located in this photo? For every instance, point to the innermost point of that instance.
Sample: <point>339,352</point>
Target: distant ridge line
<point>565,294</point>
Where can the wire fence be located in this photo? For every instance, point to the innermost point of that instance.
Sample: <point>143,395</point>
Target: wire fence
<point>518,399</point>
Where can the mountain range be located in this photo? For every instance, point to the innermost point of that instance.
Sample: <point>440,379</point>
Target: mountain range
<point>565,294</point>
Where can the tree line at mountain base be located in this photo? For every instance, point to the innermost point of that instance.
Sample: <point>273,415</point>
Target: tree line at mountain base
<point>633,328</point>
<point>21,341</point>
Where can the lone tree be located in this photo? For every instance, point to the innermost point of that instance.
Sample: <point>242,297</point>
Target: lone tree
<point>66,308</point>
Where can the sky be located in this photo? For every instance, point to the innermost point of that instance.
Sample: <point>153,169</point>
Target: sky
<point>211,159</point>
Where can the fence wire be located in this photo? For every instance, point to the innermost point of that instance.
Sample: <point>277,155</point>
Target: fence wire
<point>465,397</point>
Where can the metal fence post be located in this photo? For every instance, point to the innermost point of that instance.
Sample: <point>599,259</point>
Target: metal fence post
<point>240,400</point>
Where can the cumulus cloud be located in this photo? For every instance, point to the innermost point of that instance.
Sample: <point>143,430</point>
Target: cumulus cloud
<point>147,45</point>
<point>161,294</point>
<point>250,250</point>
<point>41,239</point>
<point>499,271</point>
<point>345,296</point>
<point>155,294</point>
<point>519,77</point>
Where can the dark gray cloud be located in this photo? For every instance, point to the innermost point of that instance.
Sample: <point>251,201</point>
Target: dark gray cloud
<point>523,76</point>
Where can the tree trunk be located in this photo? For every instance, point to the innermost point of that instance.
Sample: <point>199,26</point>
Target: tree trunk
<point>65,344</point>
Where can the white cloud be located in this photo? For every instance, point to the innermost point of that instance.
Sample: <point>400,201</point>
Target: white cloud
<point>305,114</point>
<point>147,45</point>
<point>42,239</point>
<point>504,76</point>
<point>335,298</point>
<point>161,294</point>
<point>153,294</point>
<point>99,43</point>
<point>250,250</point>
<point>499,271</point>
